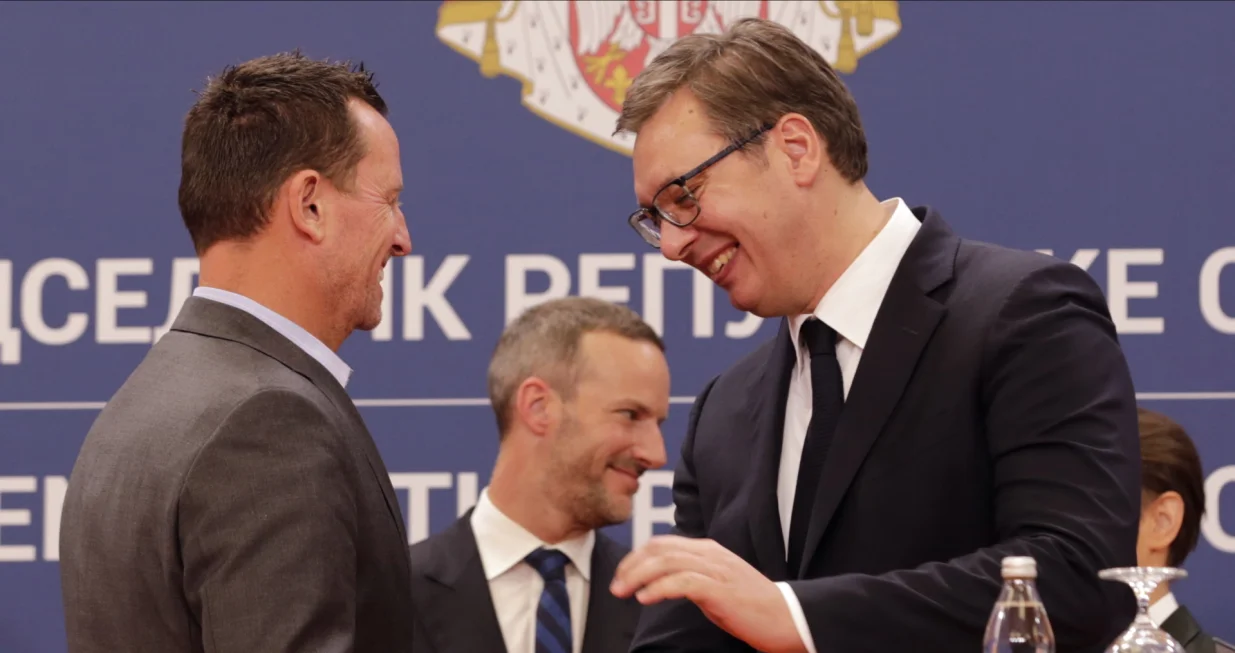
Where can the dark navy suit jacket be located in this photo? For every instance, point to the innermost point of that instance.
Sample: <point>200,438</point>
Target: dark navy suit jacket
<point>992,414</point>
<point>454,610</point>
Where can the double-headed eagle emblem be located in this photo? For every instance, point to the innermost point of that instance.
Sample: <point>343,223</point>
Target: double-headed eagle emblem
<point>576,58</point>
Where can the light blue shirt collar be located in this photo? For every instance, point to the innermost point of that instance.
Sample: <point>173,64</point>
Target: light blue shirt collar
<point>290,330</point>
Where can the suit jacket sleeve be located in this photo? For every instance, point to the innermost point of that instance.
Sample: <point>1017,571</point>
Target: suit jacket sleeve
<point>268,532</point>
<point>679,625</point>
<point>1061,427</point>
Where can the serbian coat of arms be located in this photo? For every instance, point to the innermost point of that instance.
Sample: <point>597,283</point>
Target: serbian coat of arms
<point>576,58</point>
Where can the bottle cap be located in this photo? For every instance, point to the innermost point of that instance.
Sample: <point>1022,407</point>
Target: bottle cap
<point>1020,567</point>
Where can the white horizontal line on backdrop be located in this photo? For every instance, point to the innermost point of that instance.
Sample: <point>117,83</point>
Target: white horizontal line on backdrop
<point>1193,396</point>
<point>481,401</point>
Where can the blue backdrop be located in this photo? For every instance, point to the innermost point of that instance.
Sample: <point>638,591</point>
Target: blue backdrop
<point>1099,131</point>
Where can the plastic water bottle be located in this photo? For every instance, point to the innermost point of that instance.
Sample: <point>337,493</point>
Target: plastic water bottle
<point>1018,622</point>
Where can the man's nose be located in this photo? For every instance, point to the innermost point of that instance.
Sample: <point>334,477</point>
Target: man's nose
<point>403,238</point>
<point>675,240</point>
<point>651,448</point>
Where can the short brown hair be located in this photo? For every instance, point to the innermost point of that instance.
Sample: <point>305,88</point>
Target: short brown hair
<point>1169,462</point>
<point>544,342</point>
<point>256,124</point>
<point>747,77</point>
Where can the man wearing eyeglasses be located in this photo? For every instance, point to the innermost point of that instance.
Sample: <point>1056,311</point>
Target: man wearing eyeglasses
<point>929,405</point>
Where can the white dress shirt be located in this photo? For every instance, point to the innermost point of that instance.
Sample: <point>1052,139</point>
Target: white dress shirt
<point>849,307</point>
<point>288,329</point>
<point>515,586</point>
<point>1163,608</point>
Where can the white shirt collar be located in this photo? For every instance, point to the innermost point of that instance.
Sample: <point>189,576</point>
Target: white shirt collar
<point>288,329</point>
<point>851,304</point>
<point>502,543</point>
<point>1162,608</point>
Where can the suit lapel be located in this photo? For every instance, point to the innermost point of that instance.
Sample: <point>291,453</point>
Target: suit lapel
<point>1182,626</point>
<point>217,320</point>
<point>610,622</point>
<point>458,612</point>
<point>767,395</point>
<point>904,324</point>
<point>374,458</point>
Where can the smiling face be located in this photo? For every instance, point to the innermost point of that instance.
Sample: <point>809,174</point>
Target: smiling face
<point>753,236</point>
<point>369,226</point>
<point>609,433</point>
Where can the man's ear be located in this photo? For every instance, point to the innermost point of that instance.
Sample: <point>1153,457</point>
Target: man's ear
<point>1165,515</point>
<point>537,406</point>
<point>804,150</point>
<point>304,196</point>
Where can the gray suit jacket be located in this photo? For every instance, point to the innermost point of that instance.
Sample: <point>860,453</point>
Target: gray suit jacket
<point>454,610</point>
<point>230,499</point>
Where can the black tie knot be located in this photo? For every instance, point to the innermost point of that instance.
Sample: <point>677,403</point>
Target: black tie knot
<point>549,563</point>
<point>819,337</point>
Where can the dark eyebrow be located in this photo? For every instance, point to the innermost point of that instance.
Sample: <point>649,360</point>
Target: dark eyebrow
<point>702,168</point>
<point>665,184</point>
<point>698,175</point>
<point>660,187</point>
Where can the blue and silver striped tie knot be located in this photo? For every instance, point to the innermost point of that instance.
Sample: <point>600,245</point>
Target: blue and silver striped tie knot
<point>553,633</point>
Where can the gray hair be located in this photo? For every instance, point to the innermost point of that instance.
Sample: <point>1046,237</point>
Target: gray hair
<point>544,342</point>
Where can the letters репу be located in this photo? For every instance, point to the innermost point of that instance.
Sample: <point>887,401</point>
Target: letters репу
<point>55,301</point>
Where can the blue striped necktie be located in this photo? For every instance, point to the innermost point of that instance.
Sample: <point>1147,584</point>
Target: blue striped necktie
<point>553,614</point>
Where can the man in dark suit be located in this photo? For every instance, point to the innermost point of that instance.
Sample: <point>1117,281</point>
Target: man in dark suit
<point>579,388</point>
<point>229,497</point>
<point>1172,504</point>
<point>928,406</point>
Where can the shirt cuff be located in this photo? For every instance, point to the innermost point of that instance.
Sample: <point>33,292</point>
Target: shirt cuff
<point>799,617</point>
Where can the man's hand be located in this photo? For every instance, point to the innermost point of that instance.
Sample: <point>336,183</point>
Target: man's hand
<point>734,595</point>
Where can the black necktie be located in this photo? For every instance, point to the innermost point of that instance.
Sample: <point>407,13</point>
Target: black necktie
<point>828,396</point>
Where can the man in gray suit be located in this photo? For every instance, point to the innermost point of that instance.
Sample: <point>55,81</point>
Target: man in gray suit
<point>579,388</point>
<point>229,497</point>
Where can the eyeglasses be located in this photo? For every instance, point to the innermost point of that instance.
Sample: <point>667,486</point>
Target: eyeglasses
<point>674,203</point>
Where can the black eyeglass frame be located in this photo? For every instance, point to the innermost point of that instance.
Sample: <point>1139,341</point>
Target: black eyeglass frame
<point>636,217</point>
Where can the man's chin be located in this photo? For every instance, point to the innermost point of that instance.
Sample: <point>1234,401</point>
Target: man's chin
<point>618,515</point>
<point>617,510</point>
<point>603,517</point>
<point>747,303</point>
<point>371,320</point>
